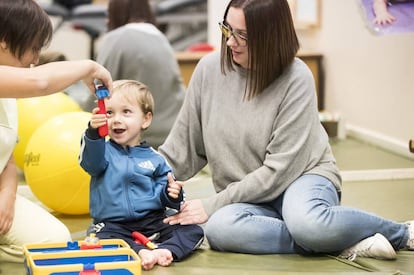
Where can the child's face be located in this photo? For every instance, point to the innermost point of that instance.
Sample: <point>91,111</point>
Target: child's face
<point>125,120</point>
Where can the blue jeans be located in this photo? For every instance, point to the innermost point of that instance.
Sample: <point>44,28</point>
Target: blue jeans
<point>306,219</point>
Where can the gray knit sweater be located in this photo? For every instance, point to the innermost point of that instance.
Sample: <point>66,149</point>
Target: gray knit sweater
<point>255,149</point>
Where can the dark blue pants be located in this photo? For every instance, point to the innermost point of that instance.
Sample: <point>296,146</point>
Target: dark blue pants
<point>181,240</point>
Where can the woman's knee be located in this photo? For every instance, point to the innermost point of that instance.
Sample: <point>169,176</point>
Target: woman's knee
<point>307,210</point>
<point>222,228</point>
<point>33,224</point>
<point>314,233</point>
<point>60,233</point>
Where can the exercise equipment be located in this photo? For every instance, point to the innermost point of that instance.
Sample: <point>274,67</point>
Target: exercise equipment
<point>51,165</point>
<point>184,22</point>
<point>33,112</point>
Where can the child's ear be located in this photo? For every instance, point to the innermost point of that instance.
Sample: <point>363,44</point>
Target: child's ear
<point>147,120</point>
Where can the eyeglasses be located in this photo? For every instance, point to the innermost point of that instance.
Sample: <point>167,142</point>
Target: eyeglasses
<point>241,39</point>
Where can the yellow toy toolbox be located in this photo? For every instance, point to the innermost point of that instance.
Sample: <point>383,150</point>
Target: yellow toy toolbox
<point>76,245</point>
<point>113,257</point>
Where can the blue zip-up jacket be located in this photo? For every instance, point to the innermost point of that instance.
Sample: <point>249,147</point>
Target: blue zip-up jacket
<point>126,184</point>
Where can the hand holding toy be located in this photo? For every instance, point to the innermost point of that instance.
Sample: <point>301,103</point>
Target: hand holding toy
<point>101,93</point>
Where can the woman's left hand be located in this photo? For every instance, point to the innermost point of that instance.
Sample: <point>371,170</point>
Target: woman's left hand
<point>192,212</point>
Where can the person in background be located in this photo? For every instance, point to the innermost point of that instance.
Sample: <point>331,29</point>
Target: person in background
<point>251,115</point>
<point>70,4</point>
<point>135,49</point>
<point>129,188</point>
<point>23,221</point>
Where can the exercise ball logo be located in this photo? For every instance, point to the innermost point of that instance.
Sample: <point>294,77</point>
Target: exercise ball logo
<point>31,159</point>
<point>51,167</point>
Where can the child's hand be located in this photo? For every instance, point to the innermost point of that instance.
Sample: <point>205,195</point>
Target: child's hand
<point>384,18</point>
<point>97,120</point>
<point>174,187</point>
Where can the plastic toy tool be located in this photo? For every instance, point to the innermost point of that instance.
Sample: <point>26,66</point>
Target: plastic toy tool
<point>101,93</point>
<point>91,242</point>
<point>141,239</point>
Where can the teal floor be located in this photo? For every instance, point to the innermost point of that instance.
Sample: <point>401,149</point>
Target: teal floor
<point>390,198</point>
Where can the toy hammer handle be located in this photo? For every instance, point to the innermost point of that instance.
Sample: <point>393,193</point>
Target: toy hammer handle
<point>101,93</point>
<point>141,239</point>
<point>102,130</point>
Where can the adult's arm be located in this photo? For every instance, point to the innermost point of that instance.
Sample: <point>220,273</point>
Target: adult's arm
<point>51,78</point>
<point>8,190</point>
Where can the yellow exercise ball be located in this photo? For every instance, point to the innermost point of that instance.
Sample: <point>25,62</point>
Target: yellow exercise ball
<point>33,112</point>
<point>51,167</point>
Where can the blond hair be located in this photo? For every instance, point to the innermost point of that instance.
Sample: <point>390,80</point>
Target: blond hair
<point>135,92</point>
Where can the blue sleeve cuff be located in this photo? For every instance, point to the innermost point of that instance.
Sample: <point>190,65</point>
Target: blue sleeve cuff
<point>170,202</point>
<point>92,133</point>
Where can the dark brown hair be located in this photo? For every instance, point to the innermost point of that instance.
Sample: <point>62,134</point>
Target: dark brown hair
<point>24,25</point>
<point>121,12</point>
<point>272,42</point>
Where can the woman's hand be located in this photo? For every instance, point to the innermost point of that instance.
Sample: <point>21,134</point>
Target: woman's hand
<point>192,212</point>
<point>98,72</point>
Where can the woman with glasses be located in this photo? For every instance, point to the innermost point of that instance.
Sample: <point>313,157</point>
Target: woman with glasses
<point>250,113</point>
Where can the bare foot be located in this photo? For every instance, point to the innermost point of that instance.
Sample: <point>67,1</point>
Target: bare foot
<point>165,257</point>
<point>149,258</point>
